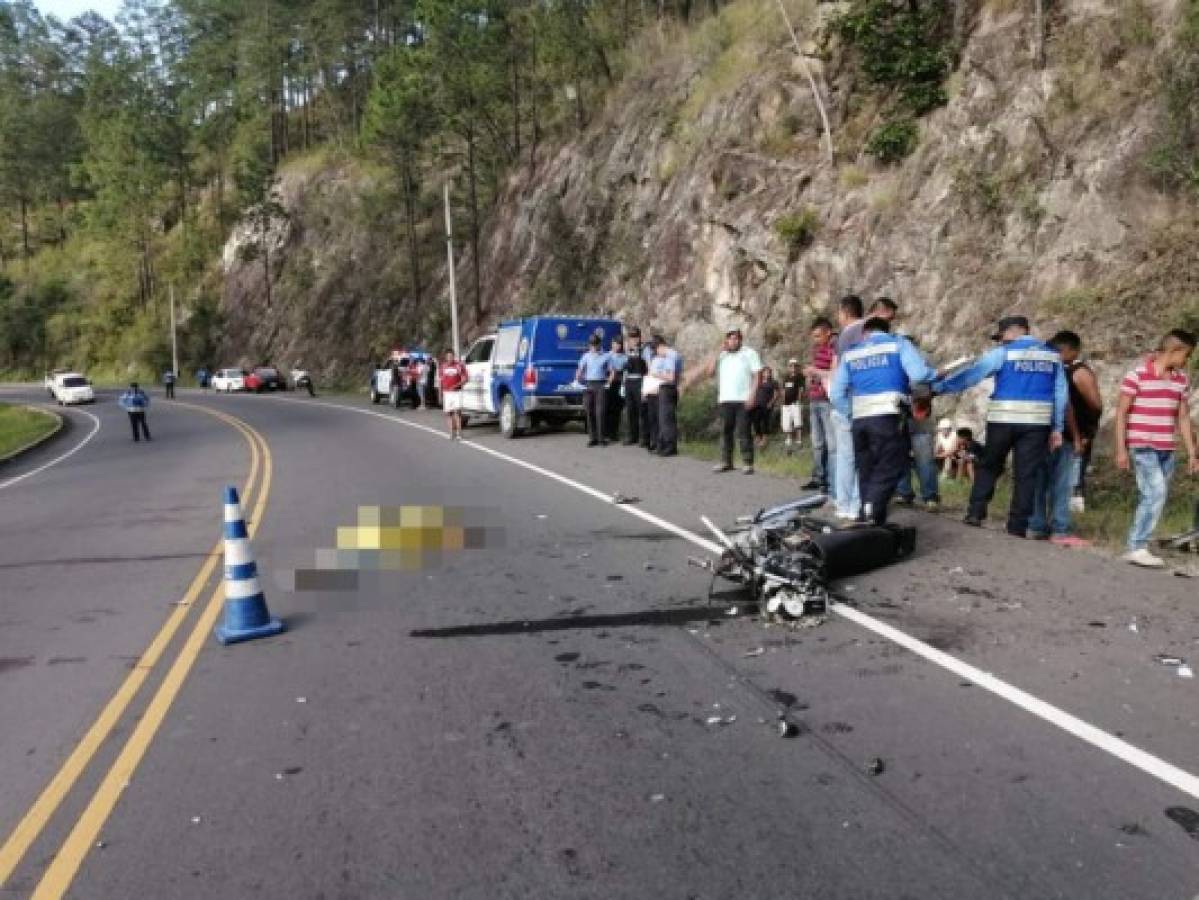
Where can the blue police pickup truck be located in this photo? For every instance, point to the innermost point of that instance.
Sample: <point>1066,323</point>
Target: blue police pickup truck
<point>524,373</point>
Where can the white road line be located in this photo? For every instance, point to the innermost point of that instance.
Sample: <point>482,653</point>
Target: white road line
<point>1096,737</point>
<point>19,478</point>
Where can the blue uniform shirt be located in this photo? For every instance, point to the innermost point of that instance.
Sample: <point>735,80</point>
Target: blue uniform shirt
<point>594,366</point>
<point>617,361</point>
<point>875,377</point>
<point>134,401</point>
<point>667,363</point>
<point>1030,383</point>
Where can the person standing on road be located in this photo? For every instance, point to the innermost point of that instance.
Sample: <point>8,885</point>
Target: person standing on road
<point>136,402</point>
<point>1026,417</point>
<point>764,406</point>
<point>667,368</point>
<point>1052,503</point>
<point>791,419</point>
<point>738,372</point>
<point>634,374</point>
<point>453,378</point>
<point>1153,408</point>
<point>846,492</point>
<point>1087,403</point>
<point>824,439</point>
<point>168,382</point>
<point>202,378</point>
<point>618,362</point>
<point>872,388</point>
<point>593,371</point>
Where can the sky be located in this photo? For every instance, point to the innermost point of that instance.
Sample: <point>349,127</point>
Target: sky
<point>66,9</point>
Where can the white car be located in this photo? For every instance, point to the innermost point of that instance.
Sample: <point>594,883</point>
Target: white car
<point>71,387</point>
<point>229,380</point>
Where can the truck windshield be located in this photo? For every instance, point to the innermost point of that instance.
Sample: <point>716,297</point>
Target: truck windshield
<point>77,381</point>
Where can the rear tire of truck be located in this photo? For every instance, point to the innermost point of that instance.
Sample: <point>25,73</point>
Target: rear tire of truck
<point>510,426</point>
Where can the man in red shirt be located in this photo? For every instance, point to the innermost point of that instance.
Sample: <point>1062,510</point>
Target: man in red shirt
<point>1153,408</point>
<point>453,379</point>
<point>819,373</point>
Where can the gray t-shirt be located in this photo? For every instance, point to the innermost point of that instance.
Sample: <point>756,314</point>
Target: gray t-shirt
<point>851,334</point>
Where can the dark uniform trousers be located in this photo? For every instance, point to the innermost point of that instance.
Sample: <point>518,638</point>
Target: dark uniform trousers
<point>668,429</point>
<point>649,409</point>
<point>170,386</point>
<point>632,404</point>
<point>881,447</point>
<point>137,419</point>
<point>614,409</point>
<point>1029,446</point>
<point>595,404</point>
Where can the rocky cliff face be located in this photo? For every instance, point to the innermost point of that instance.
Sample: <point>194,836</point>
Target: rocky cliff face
<point>702,198</point>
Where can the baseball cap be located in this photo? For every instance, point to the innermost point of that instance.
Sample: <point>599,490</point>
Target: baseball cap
<point>793,362</point>
<point>732,331</point>
<point>1008,322</point>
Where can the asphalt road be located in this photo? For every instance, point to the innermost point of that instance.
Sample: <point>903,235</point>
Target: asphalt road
<point>530,719</point>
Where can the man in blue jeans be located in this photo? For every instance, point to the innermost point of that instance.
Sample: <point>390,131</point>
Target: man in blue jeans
<point>1055,485</point>
<point>850,314</point>
<point>924,459</point>
<point>1153,409</point>
<point>820,375</point>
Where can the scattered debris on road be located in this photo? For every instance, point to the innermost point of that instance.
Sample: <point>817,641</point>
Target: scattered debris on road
<point>787,728</point>
<point>195,820</point>
<point>1167,660</point>
<point>721,720</point>
<point>619,498</point>
<point>756,651</point>
<point>1185,672</point>
<point>876,766</point>
<point>656,798</point>
<point>301,699</point>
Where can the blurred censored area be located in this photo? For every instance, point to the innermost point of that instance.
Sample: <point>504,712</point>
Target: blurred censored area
<point>398,539</point>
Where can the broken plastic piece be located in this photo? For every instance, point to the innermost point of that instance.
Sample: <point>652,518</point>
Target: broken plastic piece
<point>876,766</point>
<point>787,728</point>
<point>756,651</point>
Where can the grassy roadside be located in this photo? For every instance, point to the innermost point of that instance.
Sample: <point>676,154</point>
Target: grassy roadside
<point>20,426</point>
<point>1111,495</point>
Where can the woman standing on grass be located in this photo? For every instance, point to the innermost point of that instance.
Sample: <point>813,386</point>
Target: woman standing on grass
<point>767,400</point>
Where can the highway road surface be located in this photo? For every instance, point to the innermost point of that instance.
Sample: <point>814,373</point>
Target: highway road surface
<point>534,718</point>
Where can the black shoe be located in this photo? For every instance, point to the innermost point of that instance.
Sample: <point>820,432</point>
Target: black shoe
<point>668,452</point>
<point>905,501</point>
<point>592,443</point>
<point>603,443</point>
<point>973,521</point>
<point>651,448</point>
<point>627,443</point>
<point>723,467</point>
<point>812,485</point>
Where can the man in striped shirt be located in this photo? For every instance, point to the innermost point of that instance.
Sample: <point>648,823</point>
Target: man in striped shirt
<point>1153,409</point>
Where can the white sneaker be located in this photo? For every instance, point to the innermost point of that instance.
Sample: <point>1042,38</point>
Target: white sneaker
<point>849,517</point>
<point>1078,504</point>
<point>1144,558</point>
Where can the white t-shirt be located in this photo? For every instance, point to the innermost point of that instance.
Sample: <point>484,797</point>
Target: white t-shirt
<point>736,374</point>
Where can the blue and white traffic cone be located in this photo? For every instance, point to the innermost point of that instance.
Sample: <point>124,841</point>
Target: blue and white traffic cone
<point>246,615</point>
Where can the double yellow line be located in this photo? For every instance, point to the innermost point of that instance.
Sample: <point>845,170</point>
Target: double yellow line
<point>61,872</point>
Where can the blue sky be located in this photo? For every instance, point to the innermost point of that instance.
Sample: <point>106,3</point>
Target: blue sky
<point>66,9</point>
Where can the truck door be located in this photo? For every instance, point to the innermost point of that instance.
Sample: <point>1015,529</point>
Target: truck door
<point>503,364</point>
<point>476,397</point>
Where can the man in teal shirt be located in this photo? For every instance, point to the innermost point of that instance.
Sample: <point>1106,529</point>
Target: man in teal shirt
<point>738,372</point>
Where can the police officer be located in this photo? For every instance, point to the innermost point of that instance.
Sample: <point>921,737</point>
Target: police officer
<point>135,402</point>
<point>872,388</point>
<point>593,371</point>
<point>618,362</point>
<point>634,372</point>
<point>168,381</point>
<point>667,367</point>
<point>1025,417</point>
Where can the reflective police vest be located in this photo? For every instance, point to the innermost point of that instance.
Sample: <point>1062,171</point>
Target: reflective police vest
<point>1024,386</point>
<point>878,384</point>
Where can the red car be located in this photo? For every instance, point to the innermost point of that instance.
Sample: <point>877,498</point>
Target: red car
<point>265,378</point>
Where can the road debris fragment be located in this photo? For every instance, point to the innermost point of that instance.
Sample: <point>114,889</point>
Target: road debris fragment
<point>195,820</point>
<point>1167,660</point>
<point>876,766</point>
<point>787,728</point>
<point>620,498</point>
<point>720,720</point>
<point>1185,672</point>
<point>732,611</point>
<point>656,798</point>
<point>301,699</point>
<point>756,651</point>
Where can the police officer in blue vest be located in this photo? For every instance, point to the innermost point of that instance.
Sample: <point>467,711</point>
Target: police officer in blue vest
<point>1025,416</point>
<point>872,387</point>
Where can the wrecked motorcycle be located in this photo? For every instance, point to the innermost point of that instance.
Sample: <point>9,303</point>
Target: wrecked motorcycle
<point>786,557</point>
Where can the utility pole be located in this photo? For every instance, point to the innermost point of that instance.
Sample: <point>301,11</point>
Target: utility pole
<point>449,249</point>
<point>174,337</point>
